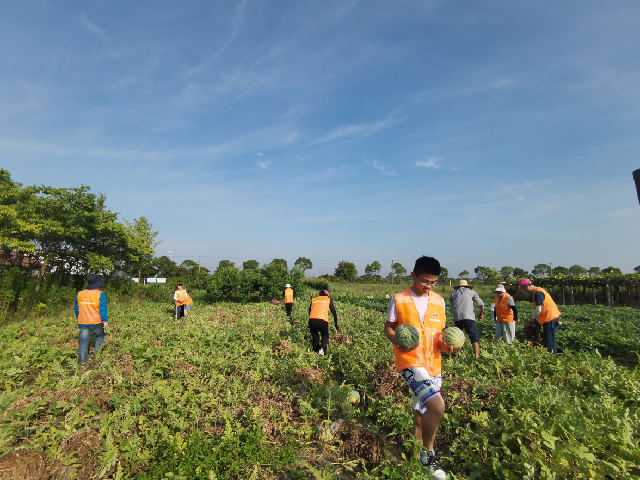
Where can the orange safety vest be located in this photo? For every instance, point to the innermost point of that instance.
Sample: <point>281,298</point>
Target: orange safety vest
<point>189,300</point>
<point>320,308</point>
<point>89,307</point>
<point>182,297</point>
<point>504,313</point>
<point>549,308</point>
<point>427,353</point>
<point>288,295</point>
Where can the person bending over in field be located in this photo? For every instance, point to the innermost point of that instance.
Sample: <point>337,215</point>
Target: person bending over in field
<point>464,316</point>
<point>420,366</point>
<point>91,312</point>
<point>319,321</point>
<point>546,313</point>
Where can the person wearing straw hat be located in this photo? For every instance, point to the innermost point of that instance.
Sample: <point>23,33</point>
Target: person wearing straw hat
<point>288,299</point>
<point>462,300</point>
<point>91,312</point>
<point>546,313</point>
<point>505,315</point>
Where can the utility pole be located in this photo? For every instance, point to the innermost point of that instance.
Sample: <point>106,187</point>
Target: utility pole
<point>391,272</point>
<point>198,265</point>
<point>551,270</point>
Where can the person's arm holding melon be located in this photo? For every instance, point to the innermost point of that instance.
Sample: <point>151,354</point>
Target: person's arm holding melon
<point>391,324</point>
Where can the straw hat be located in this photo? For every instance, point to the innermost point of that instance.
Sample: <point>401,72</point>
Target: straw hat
<point>500,288</point>
<point>462,283</point>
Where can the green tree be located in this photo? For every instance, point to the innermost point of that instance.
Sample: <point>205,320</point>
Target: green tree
<point>17,225</point>
<point>399,270</point>
<point>637,269</point>
<point>541,269</point>
<point>226,264</point>
<point>373,269</point>
<point>303,264</point>
<point>280,261</point>
<point>614,270</point>
<point>345,271</point>
<point>142,243</point>
<point>444,275</point>
<point>464,274</point>
<point>250,265</point>
<point>506,272</point>
<point>594,271</point>
<point>561,270</point>
<point>486,275</point>
<point>577,270</point>
<point>165,267</point>
<point>519,272</point>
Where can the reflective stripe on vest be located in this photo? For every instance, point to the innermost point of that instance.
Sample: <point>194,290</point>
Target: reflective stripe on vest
<point>427,353</point>
<point>504,313</point>
<point>288,295</point>
<point>89,307</point>
<point>549,309</point>
<point>320,308</point>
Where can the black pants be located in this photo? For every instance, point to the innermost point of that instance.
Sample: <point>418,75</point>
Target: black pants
<point>289,307</point>
<point>321,327</point>
<point>179,311</point>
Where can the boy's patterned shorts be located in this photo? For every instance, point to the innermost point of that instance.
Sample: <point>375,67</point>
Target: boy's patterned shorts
<point>423,386</point>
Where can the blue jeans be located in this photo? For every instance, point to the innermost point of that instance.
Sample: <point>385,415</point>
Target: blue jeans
<point>84,337</point>
<point>549,331</point>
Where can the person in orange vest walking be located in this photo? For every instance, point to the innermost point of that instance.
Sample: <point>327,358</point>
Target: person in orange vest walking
<point>180,298</point>
<point>505,314</point>
<point>546,313</point>
<point>319,321</point>
<point>288,299</point>
<point>420,367</point>
<point>91,312</point>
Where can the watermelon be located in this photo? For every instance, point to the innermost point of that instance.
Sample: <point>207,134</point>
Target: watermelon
<point>407,336</point>
<point>454,337</point>
<point>353,397</point>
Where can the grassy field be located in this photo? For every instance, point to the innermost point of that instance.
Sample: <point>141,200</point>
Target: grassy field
<point>380,290</point>
<point>234,392</point>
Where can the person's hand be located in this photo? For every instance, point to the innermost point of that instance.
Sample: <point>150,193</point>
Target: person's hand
<point>337,330</point>
<point>480,317</point>
<point>105,325</point>
<point>447,348</point>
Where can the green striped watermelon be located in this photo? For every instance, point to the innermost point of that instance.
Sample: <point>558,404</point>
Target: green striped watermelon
<point>407,336</point>
<point>454,337</point>
<point>353,397</point>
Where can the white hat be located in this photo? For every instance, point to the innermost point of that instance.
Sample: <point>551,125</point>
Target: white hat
<point>500,288</point>
<point>462,283</point>
<point>287,286</point>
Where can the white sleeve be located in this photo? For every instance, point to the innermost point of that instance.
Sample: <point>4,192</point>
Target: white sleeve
<point>392,311</point>
<point>175,295</point>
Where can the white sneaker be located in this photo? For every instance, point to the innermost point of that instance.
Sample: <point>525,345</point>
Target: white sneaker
<point>321,352</point>
<point>430,461</point>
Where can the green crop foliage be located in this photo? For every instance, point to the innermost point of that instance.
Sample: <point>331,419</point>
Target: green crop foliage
<point>233,392</point>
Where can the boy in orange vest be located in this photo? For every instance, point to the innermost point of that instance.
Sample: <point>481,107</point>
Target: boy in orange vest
<point>420,367</point>
<point>546,313</point>
<point>505,314</point>
<point>91,312</point>
<point>288,299</point>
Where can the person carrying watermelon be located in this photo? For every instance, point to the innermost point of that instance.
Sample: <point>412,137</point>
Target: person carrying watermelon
<point>546,313</point>
<point>319,321</point>
<point>505,315</point>
<point>418,362</point>
<point>180,297</point>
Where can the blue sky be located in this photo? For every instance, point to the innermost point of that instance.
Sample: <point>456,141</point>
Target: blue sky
<point>482,133</point>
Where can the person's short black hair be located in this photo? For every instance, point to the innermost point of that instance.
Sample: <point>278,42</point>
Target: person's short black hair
<point>427,265</point>
<point>178,285</point>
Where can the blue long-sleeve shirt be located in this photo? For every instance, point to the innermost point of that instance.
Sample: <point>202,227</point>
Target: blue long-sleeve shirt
<point>103,309</point>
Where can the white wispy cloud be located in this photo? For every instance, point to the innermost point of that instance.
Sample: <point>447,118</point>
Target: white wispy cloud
<point>520,198</point>
<point>378,166</point>
<point>364,129</point>
<point>91,26</point>
<point>431,163</point>
<point>263,165</point>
